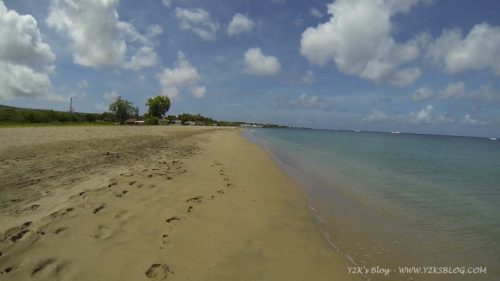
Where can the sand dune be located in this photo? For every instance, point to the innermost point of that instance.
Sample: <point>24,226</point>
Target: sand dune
<point>152,203</point>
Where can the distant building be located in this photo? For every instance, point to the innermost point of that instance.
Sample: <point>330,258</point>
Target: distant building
<point>134,122</point>
<point>244,125</point>
<point>176,122</point>
<point>199,123</point>
<point>190,123</point>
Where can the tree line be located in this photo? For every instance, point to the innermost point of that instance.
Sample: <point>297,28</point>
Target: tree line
<point>120,110</point>
<point>32,116</point>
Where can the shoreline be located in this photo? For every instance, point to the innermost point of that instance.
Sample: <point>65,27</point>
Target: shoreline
<point>359,229</point>
<point>209,205</point>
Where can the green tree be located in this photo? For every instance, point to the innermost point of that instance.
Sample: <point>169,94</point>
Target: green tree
<point>158,106</point>
<point>123,109</point>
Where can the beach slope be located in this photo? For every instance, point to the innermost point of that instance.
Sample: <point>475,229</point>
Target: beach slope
<point>152,203</point>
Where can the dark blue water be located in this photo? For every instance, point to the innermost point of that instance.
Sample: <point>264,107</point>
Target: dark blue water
<point>391,200</point>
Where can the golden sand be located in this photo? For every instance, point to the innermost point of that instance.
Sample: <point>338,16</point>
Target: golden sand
<point>152,203</point>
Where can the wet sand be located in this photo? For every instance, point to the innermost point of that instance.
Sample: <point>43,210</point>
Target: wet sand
<point>152,203</point>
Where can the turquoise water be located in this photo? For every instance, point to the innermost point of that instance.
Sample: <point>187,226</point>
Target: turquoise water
<point>399,200</point>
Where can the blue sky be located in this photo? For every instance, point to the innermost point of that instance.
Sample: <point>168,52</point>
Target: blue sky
<point>409,65</point>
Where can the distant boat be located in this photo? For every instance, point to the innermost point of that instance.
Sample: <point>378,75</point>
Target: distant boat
<point>357,131</point>
<point>493,138</point>
<point>395,132</point>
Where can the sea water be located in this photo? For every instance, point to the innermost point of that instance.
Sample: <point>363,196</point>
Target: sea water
<point>396,204</point>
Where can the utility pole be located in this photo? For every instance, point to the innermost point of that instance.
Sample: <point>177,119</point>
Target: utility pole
<point>71,109</point>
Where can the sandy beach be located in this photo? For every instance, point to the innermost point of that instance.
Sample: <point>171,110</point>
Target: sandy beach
<point>152,203</point>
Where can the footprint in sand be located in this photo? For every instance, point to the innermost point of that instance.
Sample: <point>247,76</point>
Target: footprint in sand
<point>197,199</point>
<point>120,194</point>
<point>123,217</point>
<point>49,268</point>
<point>61,213</point>
<point>121,214</point>
<point>10,269</point>
<point>99,209</point>
<point>103,232</point>
<point>28,209</point>
<point>19,235</point>
<point>172,219</point>
<point>60,229</point>
<point>158,272</point>
<point>19,231</point>
<point>165,240</point>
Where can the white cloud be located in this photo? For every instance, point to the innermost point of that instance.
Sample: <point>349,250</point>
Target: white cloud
<point>423,116</point>
<point>309,77</point>
<point>453,91</point>
<point>313,102</point>
<point>240,24</point>
<point>110,96</point>
<point>421,94</point>
<point>376,116</point>
<point>98,38</point>
<point>469,120</point>
<point>315,13</point>
<point>167,3</point>
<point>486,93</point>
<point>370,53</point>
<point>426,116</point>
<point>298,21</point>
<point>480,49</point>
<point>259,64</point>
<point>405,76</point>
<point>25,60</point>
<point>198,21</point>
<point>22,81</point>
<point>306,102</point>
<point>183,75</point>
<point>21,40</point>
<point>457,90</point>
<point>144,57</point>
<point>101,106</point>
<point>199,92</point>
<point>82,84</point>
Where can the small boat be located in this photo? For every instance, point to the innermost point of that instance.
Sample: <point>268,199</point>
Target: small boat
<point>357,131</point>
<point>493,138</point>
<point>395,132</point>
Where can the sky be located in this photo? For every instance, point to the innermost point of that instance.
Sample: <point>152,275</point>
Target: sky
<point>423,66</point>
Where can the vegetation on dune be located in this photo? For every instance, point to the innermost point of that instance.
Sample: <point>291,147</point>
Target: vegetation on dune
<point>12,115</point>
<point>123,110</point>
<point>185,117</point>
<point>157,107</point>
